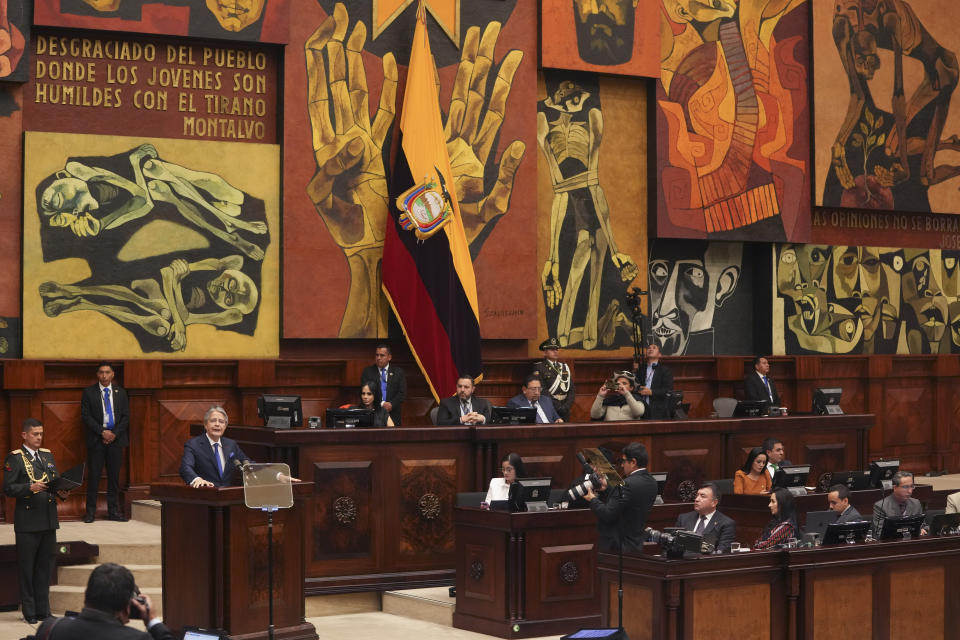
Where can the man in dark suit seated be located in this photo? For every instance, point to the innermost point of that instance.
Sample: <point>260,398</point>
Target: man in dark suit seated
<point>389,380</point>
<point>210,460</point>
<point>530,397</point>
<point>776,455</point>
<point>110,597</point>
<point>622,517</point>
<point>759,386</point>
<point>839,500</point>
<point>707,521</point>
<point>898,503</point>
<point>654,380</point>
<point>464,408</point>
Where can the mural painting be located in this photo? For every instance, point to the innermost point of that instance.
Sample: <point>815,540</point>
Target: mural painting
<point>11,154</point>
<point>592,249</point>
<point>153,244</point>
<point>336,196</point>
<point>242,20</point>
<point>607,36</point>
<point>733,120</point>
<point>14,39</point>
<point>700,294</point>
<point>892,146</point>
<point>846,299</point>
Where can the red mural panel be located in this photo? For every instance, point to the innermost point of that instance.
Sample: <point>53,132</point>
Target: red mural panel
<point>152,87</point>
<point>11,180</point>
<point>332,248</point>
<point>244,20</point>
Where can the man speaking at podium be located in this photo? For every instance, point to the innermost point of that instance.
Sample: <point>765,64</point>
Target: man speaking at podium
<point>210,460</point>
<point>622,516</point>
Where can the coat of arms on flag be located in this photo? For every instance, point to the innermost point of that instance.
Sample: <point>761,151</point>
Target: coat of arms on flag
<point>425,208</point>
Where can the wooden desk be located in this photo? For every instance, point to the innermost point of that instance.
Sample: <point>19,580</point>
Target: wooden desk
<point>882,591</point>
<point>384,498</point>
<point>214,552</point>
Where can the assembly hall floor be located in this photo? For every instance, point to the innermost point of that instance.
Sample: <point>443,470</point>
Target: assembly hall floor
<point>421,614</point>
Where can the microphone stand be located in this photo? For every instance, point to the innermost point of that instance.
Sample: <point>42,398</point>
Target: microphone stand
<point>269,510</point>
<point>623,634</point>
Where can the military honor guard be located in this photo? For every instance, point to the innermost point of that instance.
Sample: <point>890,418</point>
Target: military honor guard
<point>27,476</point>
<point>555,378</point>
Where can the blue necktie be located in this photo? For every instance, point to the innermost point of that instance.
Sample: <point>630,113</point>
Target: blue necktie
<point>216,456</point>
<point>383,385</point>
<point>766,383</point>
<point>108,407</point>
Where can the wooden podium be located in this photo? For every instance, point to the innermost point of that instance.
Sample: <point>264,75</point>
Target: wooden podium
<point>214,553</point>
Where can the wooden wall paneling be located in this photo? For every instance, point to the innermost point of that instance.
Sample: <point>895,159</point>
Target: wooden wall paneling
<point>345,520</point>
<point>427,494</point>
<point>724,608</point>
<point>23,374</point>
<point>838,604</point>
<point>60,435</point>
<point>138,374</point>
<point>688,458</point>
<point>927,584</point>
<point>173,420</point>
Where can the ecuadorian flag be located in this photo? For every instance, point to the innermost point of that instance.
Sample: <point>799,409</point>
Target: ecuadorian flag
<point>430,283</point>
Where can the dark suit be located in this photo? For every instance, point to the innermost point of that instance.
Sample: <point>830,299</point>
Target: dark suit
<point>753,389</point>
<point>660,384</point>
<point>449,411</point>
<point>624,514</point>
<point>396,387</point>
<point>100,454</point>
<point>198,460</point>
<point>889,507</point>
<point>35,527</point>
<point>723,528</point>
<point>850,515</point>
<point>92,623</point>
<point>545,403</point>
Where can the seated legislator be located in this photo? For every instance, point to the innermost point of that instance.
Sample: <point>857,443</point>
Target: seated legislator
<point>953,503</point>
<point>759,386</point>
<point>707,521</point>
<point>753,477</point>
<point>210,460</point>
<point>621,403</point>
<point>898,503</point>
<point>464,408</point>
<point>782,525</point>
<point>530,396</point>
<point>369,400</point>
<point>838,498</point>
<point>507,489</point>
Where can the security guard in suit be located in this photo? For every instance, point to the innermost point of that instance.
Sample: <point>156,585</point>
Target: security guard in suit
<point>27,474</point>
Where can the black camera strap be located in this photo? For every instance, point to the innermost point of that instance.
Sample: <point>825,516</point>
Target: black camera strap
<point>49,633</point>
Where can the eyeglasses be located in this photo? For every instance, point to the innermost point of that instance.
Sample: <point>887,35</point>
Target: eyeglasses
<point>907,487</point>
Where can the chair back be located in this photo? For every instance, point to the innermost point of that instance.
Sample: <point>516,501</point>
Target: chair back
<point>724,407</point>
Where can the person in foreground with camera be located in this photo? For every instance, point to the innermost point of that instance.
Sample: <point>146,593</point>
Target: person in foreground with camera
<point>590,479</point>
<point>707,521</point>
<point>618,400</point>
<point>109,603</point>
<point>507,489</point>
<point>783,524</point>
<point>622,517</point>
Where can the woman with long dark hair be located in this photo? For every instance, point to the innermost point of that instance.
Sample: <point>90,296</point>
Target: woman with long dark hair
<point>507,488</point>
<point>753,477</point>
<point>369,399</point>
<point>621,403</point>
<point>783,524</point>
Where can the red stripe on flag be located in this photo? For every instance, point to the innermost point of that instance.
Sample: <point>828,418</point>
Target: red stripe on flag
<point>414,309</point>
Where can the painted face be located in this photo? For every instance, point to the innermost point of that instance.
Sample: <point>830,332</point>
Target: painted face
<point>215,425</point>
<point>68,195</point>
<point>233,289</point>
<point>532,391</point>
<point>699,10</point>
<point>921,291</point>
<point>464,388</point>
<point>865,58</point>
<point>604,30</point>
<point>861,281</point>
<point>33,437</point>
<point>236,15</point>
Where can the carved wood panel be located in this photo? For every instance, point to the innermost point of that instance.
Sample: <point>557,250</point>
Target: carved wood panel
<point>174,419</point>
<point>428,490</point>
<point>479,572</point>
<point>567,572</point>
<point>342,523</point>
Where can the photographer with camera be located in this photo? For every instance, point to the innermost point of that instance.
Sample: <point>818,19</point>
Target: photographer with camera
<point>590,479</point>
<point>622,516</point>
<point>618,400</point>
<point>109,603</point>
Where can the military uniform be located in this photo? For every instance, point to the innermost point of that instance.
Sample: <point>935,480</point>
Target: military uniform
<point>35,526</point>
<point>556,380</point>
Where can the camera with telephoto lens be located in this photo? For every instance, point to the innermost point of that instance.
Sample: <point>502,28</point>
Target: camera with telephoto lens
<point>590,483</point>
<point>678,542</point>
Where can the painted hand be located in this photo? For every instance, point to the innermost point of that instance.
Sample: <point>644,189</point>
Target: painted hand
<point>550,280</point>
<point>473,122</point>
